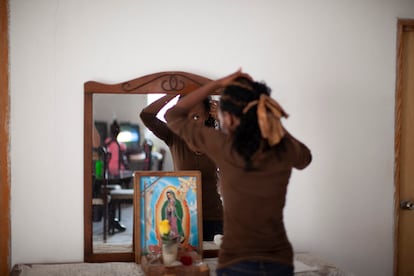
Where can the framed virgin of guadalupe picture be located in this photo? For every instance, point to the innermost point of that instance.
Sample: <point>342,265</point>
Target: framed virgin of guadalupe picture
<point>167,196</point>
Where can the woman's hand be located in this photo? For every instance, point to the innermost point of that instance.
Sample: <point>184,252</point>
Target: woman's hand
<point>198,95</point>
<point>227,80</point>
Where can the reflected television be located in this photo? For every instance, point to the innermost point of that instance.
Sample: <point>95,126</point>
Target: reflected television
<point>129,135</point>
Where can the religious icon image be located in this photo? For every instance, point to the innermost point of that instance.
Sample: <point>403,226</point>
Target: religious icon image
<point>173,196</point>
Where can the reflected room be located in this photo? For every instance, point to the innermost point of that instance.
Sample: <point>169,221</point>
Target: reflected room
<point>121,145</point>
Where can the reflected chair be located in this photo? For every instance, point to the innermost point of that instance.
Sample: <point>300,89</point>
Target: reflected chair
<point>147,146</point>
<point>163,152</point>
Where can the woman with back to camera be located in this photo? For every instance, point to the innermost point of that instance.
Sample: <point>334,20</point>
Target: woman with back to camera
<point>117,159</point>
<point>185,158</point>
<point>256,156</point>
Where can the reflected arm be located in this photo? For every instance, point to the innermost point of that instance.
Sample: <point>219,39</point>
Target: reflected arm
<point>149,118</point>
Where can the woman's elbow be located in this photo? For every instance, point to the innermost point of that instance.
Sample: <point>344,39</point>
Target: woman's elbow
<point>305,161</point>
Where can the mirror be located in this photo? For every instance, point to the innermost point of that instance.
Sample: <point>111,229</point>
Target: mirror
<point>103,200</point>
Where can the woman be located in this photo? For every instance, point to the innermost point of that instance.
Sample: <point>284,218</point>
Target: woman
<point>117,160</point>
<point>256,156</point>
<point>185,158</point>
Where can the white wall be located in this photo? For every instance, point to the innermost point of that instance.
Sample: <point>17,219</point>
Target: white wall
<point>330,63</point>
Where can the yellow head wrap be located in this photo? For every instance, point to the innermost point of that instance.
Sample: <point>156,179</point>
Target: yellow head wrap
<point>269,113</point>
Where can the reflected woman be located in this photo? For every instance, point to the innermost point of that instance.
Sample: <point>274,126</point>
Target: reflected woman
<point>117,160</point>
<point>184,158</point>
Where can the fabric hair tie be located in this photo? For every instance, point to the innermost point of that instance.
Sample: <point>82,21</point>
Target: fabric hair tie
<point>269,113</point>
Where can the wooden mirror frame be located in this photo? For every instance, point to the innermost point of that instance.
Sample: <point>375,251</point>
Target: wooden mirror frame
<point>169,82</point>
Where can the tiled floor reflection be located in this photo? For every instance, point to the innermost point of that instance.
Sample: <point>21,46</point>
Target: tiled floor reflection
<point>118,242</point>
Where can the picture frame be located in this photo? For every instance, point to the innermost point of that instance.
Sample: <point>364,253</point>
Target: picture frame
<point>151,189</point>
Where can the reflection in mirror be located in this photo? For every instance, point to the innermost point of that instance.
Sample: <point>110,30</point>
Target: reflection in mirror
<point>113,219</point>
<point>119,141</point>
<point>108,193</point>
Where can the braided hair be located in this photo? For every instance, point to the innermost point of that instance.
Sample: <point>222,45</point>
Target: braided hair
<point>234,98</point>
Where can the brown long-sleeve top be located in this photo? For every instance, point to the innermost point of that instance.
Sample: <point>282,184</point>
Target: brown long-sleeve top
<point>187,159</point>
<point>253,200</point>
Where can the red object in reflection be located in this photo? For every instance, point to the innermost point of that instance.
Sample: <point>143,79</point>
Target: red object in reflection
<point>186,260</point>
